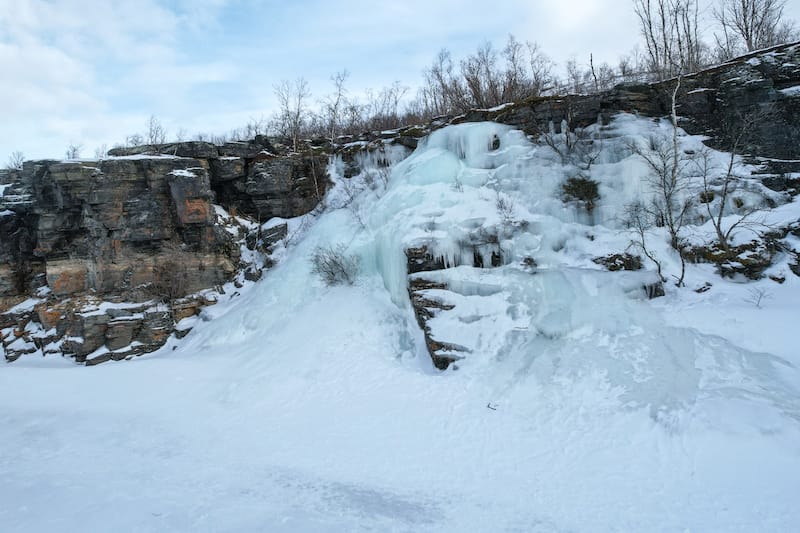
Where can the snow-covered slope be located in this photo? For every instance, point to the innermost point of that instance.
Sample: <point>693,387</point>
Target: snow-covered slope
<point>576,404</point>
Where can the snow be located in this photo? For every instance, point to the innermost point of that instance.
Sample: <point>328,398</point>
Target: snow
<point>579,405</point>
<point>135,157</point>
<point>499,107</point>
<point>101,308</point>
<point>25,306</point>
<point>791,91</point>
<point>184,173</point>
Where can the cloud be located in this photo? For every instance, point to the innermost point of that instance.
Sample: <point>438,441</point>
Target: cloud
<point>92,71</point>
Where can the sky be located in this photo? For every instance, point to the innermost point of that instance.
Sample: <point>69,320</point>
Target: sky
<point>91,73</point>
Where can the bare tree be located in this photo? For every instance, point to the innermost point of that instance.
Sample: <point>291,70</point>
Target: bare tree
<point>668,179</point>
<point>484,79</point>
<point>717,191</point>
<point>100,152</point>
<point>170,274</point>
<point>671,33</point>
<point>639,219</point>
<point>577,79</point>
<point>293,104</point>
<point>717,194</point>
<point>156,134</point>
<point>630,68</point>
<point>442,91</point>
<point>74,151</point>
<point>381,109</point>
<point>480,75</point>
<point>748,25</point>
<point>541,70</point>
<point>506,208</point>
<point>255,127</point>
<point>757,295</point>
<point>15,160</point>
<point>575,146</point>
<point>515,77</point>
<point>333,104</point>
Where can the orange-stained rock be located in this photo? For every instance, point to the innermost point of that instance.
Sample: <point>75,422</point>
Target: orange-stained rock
<point>194,211</point>
<point>66,276</point>
<point>49,317</point>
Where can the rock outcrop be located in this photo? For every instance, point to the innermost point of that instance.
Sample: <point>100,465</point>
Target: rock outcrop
<point>253,178</point>
<point>109,226</point>
<point>137,229</point>
<point>762,88</point>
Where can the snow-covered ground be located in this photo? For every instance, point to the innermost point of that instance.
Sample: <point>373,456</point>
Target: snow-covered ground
<point>580,405</point>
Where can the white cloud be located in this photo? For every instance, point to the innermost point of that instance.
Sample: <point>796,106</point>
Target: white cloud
<point>93,71</point>
<point>77,70</point>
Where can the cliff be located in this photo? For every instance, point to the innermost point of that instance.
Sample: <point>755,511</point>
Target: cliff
<point>137,228</point>
<point>764,86</point>
<point>107,250</point>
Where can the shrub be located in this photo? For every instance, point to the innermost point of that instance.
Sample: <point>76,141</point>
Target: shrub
<point>171,279</point>
<point>581,190</point>
<point>334,266</point>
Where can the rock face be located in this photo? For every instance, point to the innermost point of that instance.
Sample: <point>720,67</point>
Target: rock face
<point>442,353</point>
<point>762,87</point>
<point>108,226</point>
<point>422,266</point>
<point>90,330</point>
<point>251,177</point>
<point>139,229</point>
<point>760,91</point>
<point>269,186</point>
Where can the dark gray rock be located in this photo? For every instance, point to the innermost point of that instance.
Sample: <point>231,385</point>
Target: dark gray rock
<point>192,149</point>
<point>241,149</point>
<point>227,169</point>
<point>285,187</point>
<point>104,226</point>
<point>710,102</point>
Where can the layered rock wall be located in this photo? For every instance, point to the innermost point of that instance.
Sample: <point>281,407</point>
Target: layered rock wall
<point>138,228</point>
<point>762,88</point>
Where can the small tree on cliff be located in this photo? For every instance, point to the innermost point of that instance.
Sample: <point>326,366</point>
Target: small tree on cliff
<point>667,177</point>
<point>671,34</point>
<point>73,151</point>
<point>170,273</point>
<point>293,104</point>
<point>748,25</point>
<point>15,160</point>
<point>333,105</point>
<point>156,134</point>
<point>718,194</point>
